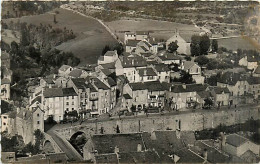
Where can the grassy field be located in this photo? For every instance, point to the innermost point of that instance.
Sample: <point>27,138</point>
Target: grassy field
<point>91,36</point>
<point>161,29</point>
<point>236,43</point>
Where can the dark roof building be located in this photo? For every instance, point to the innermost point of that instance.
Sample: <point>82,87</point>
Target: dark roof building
<point>58,92</point>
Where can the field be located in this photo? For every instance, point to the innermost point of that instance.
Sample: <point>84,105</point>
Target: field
<point>161,29</point>
<point>91,36</point>
<point>236,43</point>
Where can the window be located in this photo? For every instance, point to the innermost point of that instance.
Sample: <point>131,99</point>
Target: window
<point>72,103</point>
<point>72,108</point>
<point>38,115</point>
<point>67,109</point>
<point>72,97</point>
<point>5,117</point>
<point>67,97</point>
<point>67,103</point>
<point>38,122</point>
<point>4,123</point>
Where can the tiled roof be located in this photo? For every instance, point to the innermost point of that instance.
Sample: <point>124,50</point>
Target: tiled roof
<point>146,72</point>
<point>188,64</point>
<point>64,67</point>
<point>38,98</point>
<point>235,140</point>
<point>59,92</point>
<point>127,96</point>
<point>125,142</point>
<point>230,78</point>
<point>219,90</point>
<point>98,83</point>
<point>49,80</point>
<point>106,71</point>
<point>76,73</point>
<point>253,80</point>
<point>188,88</point>
<point>150,86</point>
<point>111,82</point>
<point>169,56</point>
<point>143,48</point>
<point>187,156</point>
<point>132,43</point>
<point>162,68</point>
<point>80,83</point>
<point>108,65</point>
<point>110,53</point>
<point>69,92</point>
<point>133,61</point>
<point>140,157</point>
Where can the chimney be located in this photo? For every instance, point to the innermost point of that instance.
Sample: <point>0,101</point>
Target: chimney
<point>153,135</point>
<point>178,134</point>
<point>205,155</point>
<point>223,140</point>
<point>139,147</point>
<point>116,150</point>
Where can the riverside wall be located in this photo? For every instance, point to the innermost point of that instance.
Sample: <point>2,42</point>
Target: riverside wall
<point>192,121</point>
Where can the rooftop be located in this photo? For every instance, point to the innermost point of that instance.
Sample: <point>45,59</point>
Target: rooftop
<point>64,67</point>
<point>132,43</point>
<point>146,72</point>
<point>58,92</point>
<point>235,140</point>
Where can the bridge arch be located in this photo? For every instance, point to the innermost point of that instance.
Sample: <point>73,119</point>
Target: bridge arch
<point>48,147</point>
<point>78,140</point>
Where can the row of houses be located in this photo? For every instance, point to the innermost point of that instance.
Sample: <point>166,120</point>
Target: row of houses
<point>169,147</point>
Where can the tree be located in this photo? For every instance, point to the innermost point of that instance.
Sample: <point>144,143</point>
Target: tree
<point>119,48</point>
<point>38,140</point>
<point>204,44</point>
<point>214,45</point>
<point>185,78</point>
<point>195,45</point>
<point>202,60</point>
<point>173,46</point>
<point>105,49</point>
<point>208,103</point>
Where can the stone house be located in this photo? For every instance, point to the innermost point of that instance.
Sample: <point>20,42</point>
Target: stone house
<point>58,100</point>
<point>145,74</point>
<point>64,70</point>
<point>251,62</point>
<point>254,87</point>
<point>221,96</point>
<point>163,72</point>
<point>130,45</point>
<point>24,122</point>
<point>129,36</point>
<point>78,73</point>
<point>238,145</point>
<point>191,67</point>
<point>168,58</point>
<point>127,66</point>
<point>109,57</point>
<point>184,46</point>
<point>127,102</point>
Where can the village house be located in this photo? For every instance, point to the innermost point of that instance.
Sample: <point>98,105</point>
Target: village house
<point>78,73</point>
<point>139,94</point>
<point>24,122</point>
<point>254,86</point>
<point>61,82</point>
<point>110,66</point>
<point>145,75</point>
<point>184,96</point>
<point>129,36</point>
<point>237,145</point>
<point>5,89</point>
<point>127,102</point>
<point>130,45</point>
<point>163,72</point>
<point>184,46</point>
<point>127,66</point>
<point>250,62</point>
<point>193,69</point>
<point>108,57</point>
<point>58,100</point>
<point>145,47</point>
<point>166,57</point>
<point>64,70</point>
<point>203,96</point>
<point>221,96</point>
<point>47,82</point>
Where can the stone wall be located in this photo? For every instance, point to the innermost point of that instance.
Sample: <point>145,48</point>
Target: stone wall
<point>186,121</point>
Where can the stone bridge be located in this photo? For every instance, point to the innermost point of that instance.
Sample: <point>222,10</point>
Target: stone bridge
<point>186,121</point>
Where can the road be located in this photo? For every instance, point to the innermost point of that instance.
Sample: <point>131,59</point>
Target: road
<point>66,147</point>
